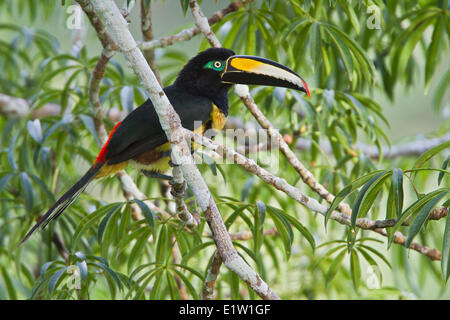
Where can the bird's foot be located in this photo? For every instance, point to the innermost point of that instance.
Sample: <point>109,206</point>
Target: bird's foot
<point>177,190</point>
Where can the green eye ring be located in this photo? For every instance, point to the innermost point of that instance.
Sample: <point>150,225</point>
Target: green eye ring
<point>215,65</point>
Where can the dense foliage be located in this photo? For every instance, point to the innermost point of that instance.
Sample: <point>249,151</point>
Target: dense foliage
<point>352,54</point>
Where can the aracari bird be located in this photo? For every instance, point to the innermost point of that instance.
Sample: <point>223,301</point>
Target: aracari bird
<point>199,95</point>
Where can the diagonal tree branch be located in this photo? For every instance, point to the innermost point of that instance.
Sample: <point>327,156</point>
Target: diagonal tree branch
<point>344,211</point>
<point>274,134</point>
<point>94,88</point>
<point>171,124</point>
<point>104,37</point>
<point>211,277</point>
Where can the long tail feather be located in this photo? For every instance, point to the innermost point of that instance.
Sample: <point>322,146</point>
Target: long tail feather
<point>66,200</point>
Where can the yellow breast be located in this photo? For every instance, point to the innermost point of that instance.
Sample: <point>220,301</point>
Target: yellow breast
<point>218,118</point>
<point>158,159</point>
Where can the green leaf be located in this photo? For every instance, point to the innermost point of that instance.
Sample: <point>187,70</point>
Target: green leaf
<point>260,216</point>
<point>297,225</point>
<point>195,250</point>
<point>397,186</point>
<point>187,283</point>
<point>54,280</point>
<point>344,52</point>
<point>10,288</point>
<point>184,6</point>
<point>362,247</point>
<point>441,91</point>
<point>348,189</point>
<point>295,26</point>
<point>433,52</point>
<point>371,188</point>
<point>154,294</point>
<point>390,208</point>
<point>162,244</point>
<point>173,288</point>
<point>445,259</point>
<point>440,176</point>
<point>191,270</point>
<point>335,265</point>
<point>250,43</point>
<point>35,130</point>
<point>90,220</point>
<point>44,187</point>
<point>284,229</point>
<point>104,222</point>
<point>355,269</point>
<point>407,42</point>
<point>127,98</point>
<point>5,179</point>
<point>27,190</point>
<point>148,214</point>
<point>413,209</point>
<point>337,200</point>
<point>137,250</point>
<point>109,272</point>
<point>422,217</point>
<point>351,14</point>
<point>316,43</point>
<point>90,125</point>
<point>424,157</point>
<point>371,261</point>
<point>11,160</point>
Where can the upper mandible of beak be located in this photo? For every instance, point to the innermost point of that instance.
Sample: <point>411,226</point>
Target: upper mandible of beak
<point>256,70</point>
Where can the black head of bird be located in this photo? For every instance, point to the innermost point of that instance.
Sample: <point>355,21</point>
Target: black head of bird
<point>213,71</point>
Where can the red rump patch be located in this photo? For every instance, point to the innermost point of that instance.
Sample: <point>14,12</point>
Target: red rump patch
<point>102,155</point>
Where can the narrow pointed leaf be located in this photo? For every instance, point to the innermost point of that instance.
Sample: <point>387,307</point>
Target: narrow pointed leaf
<point>422,217</point>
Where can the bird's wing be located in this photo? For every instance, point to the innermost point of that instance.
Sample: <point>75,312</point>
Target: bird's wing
<point>141,130</point>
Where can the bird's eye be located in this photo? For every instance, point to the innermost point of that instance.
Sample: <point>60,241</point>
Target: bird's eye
<point>217,64</point>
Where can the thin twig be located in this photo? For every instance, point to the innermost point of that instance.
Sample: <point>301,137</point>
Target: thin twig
<point>178,192</point>
<point>188,34</point>
<point>60,246</point>
<point>102,34</point>
<point>208,292</point>
<point>221,152</point>
<point>176,260</point>
<point>403,149</point>
<point>94,88</point>
<point>399,238</point>
<point>305,174</point>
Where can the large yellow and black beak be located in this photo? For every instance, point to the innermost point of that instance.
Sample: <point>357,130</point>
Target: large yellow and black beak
<point>256,70</point>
